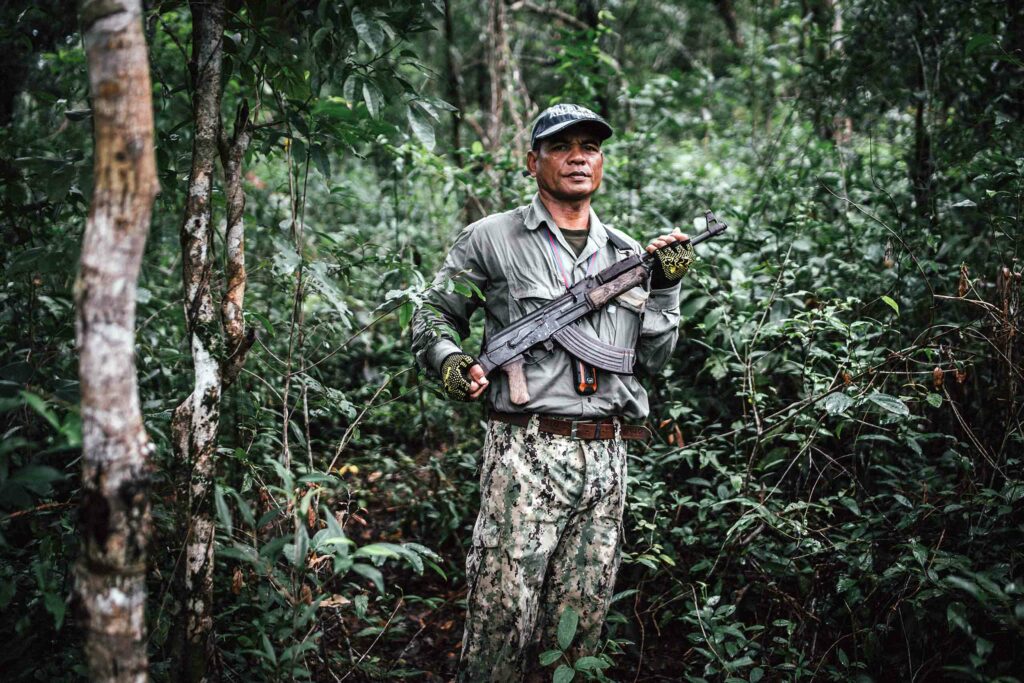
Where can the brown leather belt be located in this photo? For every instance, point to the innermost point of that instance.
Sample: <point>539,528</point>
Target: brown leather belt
<point>587,430</point>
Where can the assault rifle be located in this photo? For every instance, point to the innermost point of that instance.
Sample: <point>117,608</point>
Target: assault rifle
<point>555,321</point>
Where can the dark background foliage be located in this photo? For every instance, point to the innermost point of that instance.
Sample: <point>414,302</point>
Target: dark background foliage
<point>834,491</point>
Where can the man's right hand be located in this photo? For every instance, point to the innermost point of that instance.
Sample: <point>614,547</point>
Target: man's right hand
<point>462,378</point>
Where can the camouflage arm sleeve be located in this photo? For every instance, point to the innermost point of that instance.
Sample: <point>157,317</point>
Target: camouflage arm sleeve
<point>439,326</point>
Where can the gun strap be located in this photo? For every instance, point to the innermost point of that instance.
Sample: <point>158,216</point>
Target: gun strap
<point>617,240</point>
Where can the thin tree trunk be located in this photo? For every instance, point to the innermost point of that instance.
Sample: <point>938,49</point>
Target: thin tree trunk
<point>589,14</point>
<point>239,341</point>
<point>920,165</point>
<point>194,423</point>
<point>111,572</point>
<point>497,53</point>
<point>728,14</point>
<point>452,83</point>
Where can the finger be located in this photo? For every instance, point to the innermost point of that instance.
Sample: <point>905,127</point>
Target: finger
<point>476,372</point>
<point>478,392</point>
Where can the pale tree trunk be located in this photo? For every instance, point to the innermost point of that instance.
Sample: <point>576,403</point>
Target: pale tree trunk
<point>195,421</point>
<point>111,572</point>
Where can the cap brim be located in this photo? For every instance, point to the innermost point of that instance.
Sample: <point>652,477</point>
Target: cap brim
<point>606,130</point>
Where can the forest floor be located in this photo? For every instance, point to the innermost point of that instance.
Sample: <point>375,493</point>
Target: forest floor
<point>420,638</point>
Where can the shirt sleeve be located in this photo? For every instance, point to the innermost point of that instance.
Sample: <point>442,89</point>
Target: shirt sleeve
<point>443,322</point>
<point>660,329</point>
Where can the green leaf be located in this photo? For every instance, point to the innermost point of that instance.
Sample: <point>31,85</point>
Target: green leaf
<point>902,500</point>
<point>36,476</point>
<point>978,41</point>
<point>268,327</point>
<point>57,606</point>
<point>300,546</point>
<point>591,663</point>
<point>38,404</point>
<point>934,400</point>
<point>756,674</point>
<point>223,514</point>
<point>321,160</point>
<point>563,674</point>
<point>371,573</point>
<point>892,304</point>
<point>549,657</point>
<point>334,530</point>
<point>359,603</point>
<point>889,403</point>
<point>369,30</point>
<point>268,648</point>
<point>567,624</point>
<point>373,98</point>
<point>321,34</point>
<point>836,403</point>
<point>377,550</point>
<point>422,127</point>
<point>405,314</point>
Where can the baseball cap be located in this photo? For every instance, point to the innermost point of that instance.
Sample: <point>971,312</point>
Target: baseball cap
<point>561,116</point>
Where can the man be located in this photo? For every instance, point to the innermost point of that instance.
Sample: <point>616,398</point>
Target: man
<point>550,524</point>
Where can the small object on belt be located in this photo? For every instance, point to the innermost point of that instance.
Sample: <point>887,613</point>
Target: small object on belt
<point>585,430</point>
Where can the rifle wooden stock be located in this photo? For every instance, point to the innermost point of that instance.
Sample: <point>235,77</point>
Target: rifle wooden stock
<point>517,391</point>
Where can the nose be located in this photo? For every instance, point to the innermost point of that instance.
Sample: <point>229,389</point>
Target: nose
<point>576,155</point>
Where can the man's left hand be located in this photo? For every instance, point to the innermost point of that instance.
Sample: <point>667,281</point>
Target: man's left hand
<point>663,241</point>
<point>674,258</point>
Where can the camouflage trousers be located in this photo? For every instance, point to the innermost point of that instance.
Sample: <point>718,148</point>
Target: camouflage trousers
<point>547,538</point>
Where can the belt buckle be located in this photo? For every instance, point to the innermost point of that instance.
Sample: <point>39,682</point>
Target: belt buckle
<point>572,432</point>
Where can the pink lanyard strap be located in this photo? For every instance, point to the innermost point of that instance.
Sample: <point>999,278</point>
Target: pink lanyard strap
<point>558,260</point>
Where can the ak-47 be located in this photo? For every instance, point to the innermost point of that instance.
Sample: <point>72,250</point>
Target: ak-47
<point>555,321</point>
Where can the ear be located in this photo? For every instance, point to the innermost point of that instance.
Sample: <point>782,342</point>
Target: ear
<point>531,162</point>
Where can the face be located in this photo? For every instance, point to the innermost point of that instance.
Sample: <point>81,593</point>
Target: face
<point>568,165</point>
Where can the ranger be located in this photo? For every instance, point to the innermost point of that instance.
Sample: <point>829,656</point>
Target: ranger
<point>553,469</point>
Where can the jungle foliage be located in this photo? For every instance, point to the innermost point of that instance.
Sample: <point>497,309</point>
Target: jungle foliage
<point>835,487</point>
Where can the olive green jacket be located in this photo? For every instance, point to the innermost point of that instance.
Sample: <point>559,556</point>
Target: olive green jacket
<point>510,258</point>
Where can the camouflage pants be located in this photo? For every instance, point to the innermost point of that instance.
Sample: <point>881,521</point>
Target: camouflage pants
<point>547,538</point>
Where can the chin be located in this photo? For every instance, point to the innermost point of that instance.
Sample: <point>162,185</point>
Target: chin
<point>572,194</point>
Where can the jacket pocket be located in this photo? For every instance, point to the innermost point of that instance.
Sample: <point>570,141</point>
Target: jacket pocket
<point>525,298</point>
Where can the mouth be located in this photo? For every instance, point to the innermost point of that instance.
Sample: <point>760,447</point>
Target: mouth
<point>577,175</point>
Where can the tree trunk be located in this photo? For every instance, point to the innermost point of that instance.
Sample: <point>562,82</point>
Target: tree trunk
<point>195,421</point>
<point>920,165</point>
<point>497,65</point>
<point>452,83</point>
<point>589,13</point>
<point>111,572</point>
<point>728,14</point>
<point>232,152</point>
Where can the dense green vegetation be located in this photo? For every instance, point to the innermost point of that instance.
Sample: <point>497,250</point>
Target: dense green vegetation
<point>835,488</point>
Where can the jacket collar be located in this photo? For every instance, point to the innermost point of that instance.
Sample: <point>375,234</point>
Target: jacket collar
<point>537,215</point>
